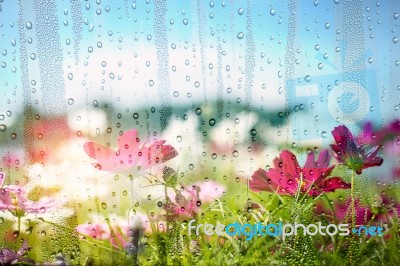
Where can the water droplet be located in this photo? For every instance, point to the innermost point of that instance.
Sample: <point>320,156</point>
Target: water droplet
<point>179,139</point>
<point>70,101</point>
<point>13,136</point>
<point>395,40</point>
<point>185,21</point>
<point>104,205</point>
<point>272,12</point>
<point>198,111</point>
<point>3,127</point>
<point>70,76</point>
<point>307,78</point>
<point>33,56</point>
<point>29,25</point>
<point>211,122</point>
<point>235,153</point>
<point>324,134</point>
<point>240,11</point>
<point>240,35</point>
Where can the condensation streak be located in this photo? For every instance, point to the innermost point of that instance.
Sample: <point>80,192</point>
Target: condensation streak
<point>202,23</point>
<point>161,42</point>
<point>289,57</point>
<point>249,60</point>
<point>50,57</point>
<point>26,91</point>
<point>353,34</point>
<point>77,21</point>
<point>220,82</point>
<point>51,71</point>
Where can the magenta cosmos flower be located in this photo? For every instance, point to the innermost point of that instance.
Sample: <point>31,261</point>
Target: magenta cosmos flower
<point>15,199</point>
<point>342,212</point>
<point>130,155</point>
<point>354,156</point>
<point>286,176</point>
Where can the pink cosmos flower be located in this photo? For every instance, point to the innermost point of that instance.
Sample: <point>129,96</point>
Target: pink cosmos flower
<point>375,137</point>
<point>129,156</point>
<point>14,199</point>
<point>185,207</point>
<point>342,212</point>
<point>388,208</point>
<point>354,156</point>
<point>396,172</point>
<point>117,235</point>
<point>286,176</point>
<point>117,232</point>
<point>95,230</point>
<point>186,202</point>
<point>12,159</point>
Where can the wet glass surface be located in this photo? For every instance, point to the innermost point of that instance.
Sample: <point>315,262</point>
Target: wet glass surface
<point>122,121</point>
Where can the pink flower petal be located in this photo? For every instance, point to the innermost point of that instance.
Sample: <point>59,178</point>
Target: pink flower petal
<point>106,158</point>
<point>98,231</point>
<point>129,143</point>
<point>2,179</point>
<point>289,165</point>
<point>333,183</point>
<point>130,155</point>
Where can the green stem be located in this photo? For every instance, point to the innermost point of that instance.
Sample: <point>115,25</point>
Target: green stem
<point>19,227</point>
<point>354,245</point>
<point>335,247</point>
<point>331,206</point>
<point>353,206</point>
